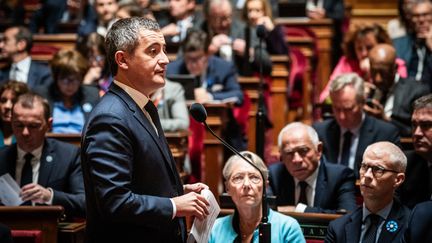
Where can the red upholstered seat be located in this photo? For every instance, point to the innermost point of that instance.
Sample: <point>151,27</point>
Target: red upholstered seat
<point>27,236</point>
<point>295,82</point>
<point>314,241</point>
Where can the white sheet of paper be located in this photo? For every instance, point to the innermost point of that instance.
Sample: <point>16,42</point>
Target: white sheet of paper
<point>201,229</point>
<point>9,191</point>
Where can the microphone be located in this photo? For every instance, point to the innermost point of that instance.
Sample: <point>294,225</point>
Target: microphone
<point>261,31</point>
<point>199,114</point>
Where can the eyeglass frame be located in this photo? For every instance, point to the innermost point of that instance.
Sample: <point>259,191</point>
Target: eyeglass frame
<point>375,170</point>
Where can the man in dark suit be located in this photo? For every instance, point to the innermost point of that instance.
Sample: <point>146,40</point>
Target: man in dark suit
<point>48,170</point>
<point>419,224</point>
<point>381,218</point>
<point>418,184</point>
<point>329,188</point>
<point>346,136</point>
<point>134,192</point>
<point>16,47</point>
<point>397,93</point>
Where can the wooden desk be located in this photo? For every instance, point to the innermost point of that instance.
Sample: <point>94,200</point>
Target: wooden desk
<point>59,41</point>
<point>43,218</point>
<point>323,31</point>
<point>71,232</point>
<point>250,85</point>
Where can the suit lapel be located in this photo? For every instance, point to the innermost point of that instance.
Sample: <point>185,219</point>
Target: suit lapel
<point>333,142</point>
<point>46,163</point>
<point>365,139</point>
<point>393,224</point>
<point>353,227</point>
<point>321,184</point>
<point>31,75</point>
<point>9,166</point>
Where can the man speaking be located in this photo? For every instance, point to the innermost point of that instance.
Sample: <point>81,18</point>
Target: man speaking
<point>133,191</point>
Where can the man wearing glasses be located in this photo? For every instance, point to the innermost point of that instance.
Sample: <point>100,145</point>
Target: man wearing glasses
<point>305,179</point>
<point>419,168</point>
<point>382,218</point>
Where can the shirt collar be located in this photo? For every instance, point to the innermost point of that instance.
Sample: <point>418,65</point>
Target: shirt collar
<point>383,213</point>
<point>355,131</point>
<point>312,178</point>
<point>137,96</point>
<point>37,153</point>
<point>24,64</point>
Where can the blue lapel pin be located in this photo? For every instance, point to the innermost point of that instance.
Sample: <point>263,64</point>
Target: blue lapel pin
<point>392,226</point>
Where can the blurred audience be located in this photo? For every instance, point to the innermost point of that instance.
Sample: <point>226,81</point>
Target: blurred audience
<point>244,184</point>
<point>346,136</point>
<point>398,27</point>
<point>419,224</point>
<point>305,179</point>
<point>132,9</point>
<point>9,93</point>
<point>99,17</point>
<point>70,101</point>
<point>15,47</point>
<point>12,11</point>
<point>382,218</point>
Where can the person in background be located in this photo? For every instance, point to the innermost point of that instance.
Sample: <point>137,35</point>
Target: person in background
<point>99,18</point>
<point>382,218</point>
<point>244,184</point>
<point>9,93</point>
<point>305,178</point>
<point>15,46</point>
<point>47,170</point>
<point>70,101</point>
<point>398,27</point>
<point>92,47</point>
<point>132,9</point>
<point>356,47</point>
<point>419,224</point>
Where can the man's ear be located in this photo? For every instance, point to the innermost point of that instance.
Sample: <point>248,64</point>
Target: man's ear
<point>121,59</point>
<point>21,45</point>
<point>400,178</point>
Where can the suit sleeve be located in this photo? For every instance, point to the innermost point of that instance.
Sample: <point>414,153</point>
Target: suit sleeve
<point>231,86</point>
<point>73,200</point>
<point>331,234</point>
<point>108,159</point>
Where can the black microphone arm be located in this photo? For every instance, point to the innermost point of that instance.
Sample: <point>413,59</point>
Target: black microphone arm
<point>199,114</point>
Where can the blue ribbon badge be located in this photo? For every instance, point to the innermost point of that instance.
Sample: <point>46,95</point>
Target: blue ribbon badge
<point>392,226</point>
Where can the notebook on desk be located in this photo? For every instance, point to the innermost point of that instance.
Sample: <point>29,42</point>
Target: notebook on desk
<point>292,8</point>
<point>189,83</point>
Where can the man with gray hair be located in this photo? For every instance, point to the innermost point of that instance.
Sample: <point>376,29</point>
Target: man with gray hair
<point>346,136</point>
<point>304,179</point>
<point>133,190</point>
<point>382,218</point>
<point>419,169</point>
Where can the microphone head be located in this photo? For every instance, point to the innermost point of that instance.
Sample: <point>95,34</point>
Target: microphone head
<point>198,112</point>
<point>261,31</point>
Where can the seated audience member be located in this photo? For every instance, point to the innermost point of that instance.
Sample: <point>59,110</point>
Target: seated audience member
<point>305,179</point>
<point>397,27</point>
<point>394,95</point>
<point>70,101</point>
<point>15,47</point>
<point>12,11</point>
<point>415,47</point>
<point>244,184</point>
<point>9,93</point>
<point>346,136</point>
<point>356,46</point>
<point>227,39</point>
<point>99,17</point>
<point>182,17</point>
<point>92,47</point>
<point>5,234</point>
<point>171,105</point>
<point>419,224</point>
<point>48,170</point>
<point>258,12</point>
<point>418,183</point>
<point>132,9</point>
<point>381,218</point>
<point>218,79</point>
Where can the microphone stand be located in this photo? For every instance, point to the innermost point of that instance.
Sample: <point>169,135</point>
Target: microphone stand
<point>264,226</point>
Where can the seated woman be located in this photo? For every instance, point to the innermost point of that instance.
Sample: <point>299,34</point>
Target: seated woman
<point>357,45</point>
<point>245,186</point>
<point>9,92</point>
<point>70,101</point>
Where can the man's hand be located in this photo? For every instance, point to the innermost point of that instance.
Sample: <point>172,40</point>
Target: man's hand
<point>197,187</point>
<point>191,204</point>
<point>376,110</point>
<point>92,75</point>
<point>267,22</point>
<point>201,95</point>
<point>35,193</point>
<point>217,41</point>
<point>239,46</point>
<point>317,13</point>
<point>170,30</point>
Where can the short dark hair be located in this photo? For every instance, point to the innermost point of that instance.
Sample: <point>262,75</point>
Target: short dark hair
<point>423,102</point>
<point>196,40</point>
<point>29,99</point>
<point>18,88</point>
<point>125,35</point>
<point>24,34</point>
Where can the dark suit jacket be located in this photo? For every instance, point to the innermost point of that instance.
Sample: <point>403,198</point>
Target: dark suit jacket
<point>221,77</point>
<point>372,130</point>
<point>419,224</point>
<point>334,9</point>
<point>88,97</point>
<point>129,175</point>
<point>39,75</point>
<point>335,187</point>
<point>348,227</point>
<point>59,169</point>
<point>406,91</point>
<point>415,188</point>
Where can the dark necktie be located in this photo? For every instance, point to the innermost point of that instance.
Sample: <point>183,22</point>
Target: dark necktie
<point>303,197</point>
<point>346,147</point>
<point>152,110</point>
<point>27,171</point>
<point>370,234</point>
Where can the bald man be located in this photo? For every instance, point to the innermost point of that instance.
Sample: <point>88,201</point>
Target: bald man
<point>396,94</point>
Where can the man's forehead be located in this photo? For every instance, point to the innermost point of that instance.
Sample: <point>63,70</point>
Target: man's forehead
<point>423,113</point>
